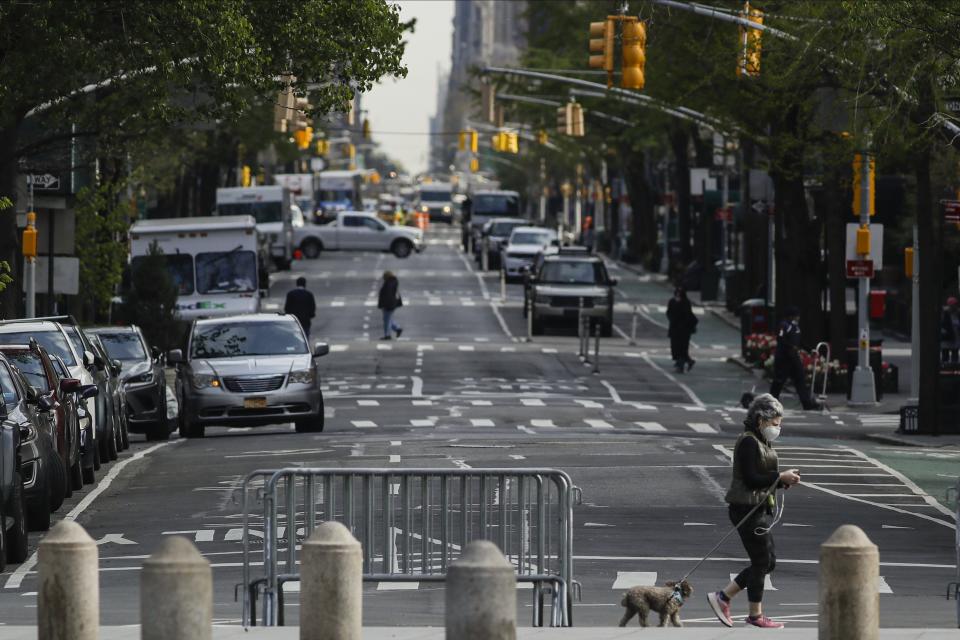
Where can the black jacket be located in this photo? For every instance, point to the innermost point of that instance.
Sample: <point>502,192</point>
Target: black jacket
<point>948,331</point>
<point>389,297</point>
<point>300,303</point>
<point>681,318</point>
<point>788,340</point>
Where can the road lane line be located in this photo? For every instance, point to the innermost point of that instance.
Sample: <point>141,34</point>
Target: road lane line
<point>614,394</point>
<point>670,377</point>
<point>364,424</point>
<point>417,389</point>
<point>481,422</point>
<point>532,402</point>
<point>16,578</point>
<point>598,424</point>
<point>627,579</point>
<point>650,426</point>
<point>701,427</point>
<point>394,459</point>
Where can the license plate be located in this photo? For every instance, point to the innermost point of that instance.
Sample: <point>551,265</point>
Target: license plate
<point>254,403</point>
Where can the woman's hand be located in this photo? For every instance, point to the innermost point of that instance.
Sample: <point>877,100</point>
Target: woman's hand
<point>790,477</point>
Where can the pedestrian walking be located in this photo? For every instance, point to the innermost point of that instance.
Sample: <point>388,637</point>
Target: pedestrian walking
<point>301,304</point>
<point>389,301</point>
<point>950,332</point>
<point>683,324</point>
<point>786,360</point>
<point>752,505</point>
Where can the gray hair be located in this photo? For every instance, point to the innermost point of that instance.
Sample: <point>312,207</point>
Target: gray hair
<point>763,409</point>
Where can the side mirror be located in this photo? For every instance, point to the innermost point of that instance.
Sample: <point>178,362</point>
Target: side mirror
<point>88,359</point>
<point>89,391</point>
<point>116,367</point>
<point>321,349</point>
<point>70,385</point>
<point>3,408</point>
<point>47,403</point>
<point>175,356</point>
<point>32,395</point>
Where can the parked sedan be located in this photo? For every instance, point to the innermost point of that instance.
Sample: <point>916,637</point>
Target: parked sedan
<point>493,235</point>
<point>117,398</point>
<point>566,286</point>
<point>143,379</point>
<point>522,247</point>
<point>13,514</point>
<point>248,371</point>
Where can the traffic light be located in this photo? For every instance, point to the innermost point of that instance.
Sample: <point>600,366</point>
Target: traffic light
<point>749,62</point>
<point>245,174</point>
<point>563,119</point>
<point>323,147</point>
<point>513,143</point>
<point>30,236</point>
<point>542,137</point>
<point>908,262</point>
<point>462,141</point>
<point>576,120</point>
<point>634,53</point>
<point>474,165</point>
<point>366,128</point>
<point>601,42</point>
<point>300,117</point>
<point>303,137</point>
<point>858,162</point>
<point>474,141</point>
<point>863,240</point>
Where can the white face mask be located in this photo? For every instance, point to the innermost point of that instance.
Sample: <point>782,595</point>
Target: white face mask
<point>770,433</point>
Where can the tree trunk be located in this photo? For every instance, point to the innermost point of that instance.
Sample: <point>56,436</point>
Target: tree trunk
<point>679,141</point>
<point>836,210</point>
<point>11,299</point>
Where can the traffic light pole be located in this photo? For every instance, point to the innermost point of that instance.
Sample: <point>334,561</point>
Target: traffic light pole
<point>863,390</point>
<point>915,324</point>
<point>31,267</point>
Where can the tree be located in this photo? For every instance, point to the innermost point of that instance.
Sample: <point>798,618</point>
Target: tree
<point>101,244</point>
<point>151,301</point>
<point>150,66</point>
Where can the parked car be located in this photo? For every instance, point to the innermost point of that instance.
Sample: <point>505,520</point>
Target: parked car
<point>35,364</point>
<point>480,206</point>
<point>522,247</point>
<point>530,273</point>
<point>493,235</point>
<point>143,379</point>
<point>53,338</point>
<point>358,231</point>
<point>248,370</point>
<point>563,283</point>
<point>118,397</point>
<point>88,444</point>
<point>13,511</point>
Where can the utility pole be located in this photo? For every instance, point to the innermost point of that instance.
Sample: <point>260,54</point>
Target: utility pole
<point>725,226</point>
<point>543,190</point>
<point>915,322</point>
<point>863,389</point>
<point>29,250</point>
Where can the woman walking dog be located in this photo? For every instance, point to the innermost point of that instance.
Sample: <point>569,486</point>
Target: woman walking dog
<point>756,477</point>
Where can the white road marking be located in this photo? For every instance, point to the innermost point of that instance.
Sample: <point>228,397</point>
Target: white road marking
<point>481,422</point>
<point>548,350</point>
<point>699,524</point>
<point>892,526</point>
<point>16,578</point>
<point>115,538</point>
<point>598,424</point>
<point>465,347</point>
<point>199,535</point>
<point>650,426</point>
<point>614,394</point>
<point>395,443</point>
<point>337,303</point>
<point>363,424</point>
<point>767,584</point>
<point>394,459</point>
<point>481,403</point>
<point>542,422</point>
<point>526,430</point>
<point>745,560</point>
<point>532,402</point>
<point>424,347</point>
<point>368,403</point>
<point>627,579</point>
<point>423,403</point>
<point>515,456</point>
<point>461,464</point>
<point>416,389</point>
<point>701,427</point>
<point>589,404</point>
<point>673,379</point>
<point>398,586</point>
<point>597,524</point>
<point>883,587</point>
<point>339,347</point>
<point>385,347</point>
<point>507,349</point>
<point>428,422</point>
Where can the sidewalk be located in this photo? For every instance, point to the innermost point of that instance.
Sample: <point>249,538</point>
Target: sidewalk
<point>437,633</point>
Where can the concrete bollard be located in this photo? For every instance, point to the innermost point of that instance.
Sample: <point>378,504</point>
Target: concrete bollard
<point>68,600</point>
<point>176,593</point>
<point>596,348</point>
<point>633,327</point>
<point>481,598</point>
<point>331,585</point>
<point>849,581</point>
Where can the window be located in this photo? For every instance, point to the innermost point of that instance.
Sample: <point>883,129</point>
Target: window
<point>373,225</point>
<point>261,211</point>
<point>352,221</point>
<point>7,386</point>
<point>53,341</point>
<point>123,346</point>
<point>179,267</point>
<point>496,205</point>
<point>435,196</point>
<point>31,367</point>
<point>573,272</point>
<point>233,339</point>
<point>527,237</point>
<point>503,228</point>
<point>227,272</point>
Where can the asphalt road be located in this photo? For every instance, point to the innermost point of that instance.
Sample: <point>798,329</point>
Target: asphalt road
<point>649,449</point>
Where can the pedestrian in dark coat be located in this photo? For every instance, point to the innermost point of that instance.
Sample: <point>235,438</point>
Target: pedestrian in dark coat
<point>683,324</point>
<point>389,301</point>
<point>787,364</point>
<point>301,304</point>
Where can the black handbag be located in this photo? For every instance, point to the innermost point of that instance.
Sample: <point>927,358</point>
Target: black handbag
<point>399,301</point>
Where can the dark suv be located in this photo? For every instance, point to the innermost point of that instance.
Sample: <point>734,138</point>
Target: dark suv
<point>565,286</point>
<point>13,517</point>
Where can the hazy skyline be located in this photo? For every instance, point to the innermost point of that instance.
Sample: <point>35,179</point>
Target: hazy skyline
<point>400,109</point>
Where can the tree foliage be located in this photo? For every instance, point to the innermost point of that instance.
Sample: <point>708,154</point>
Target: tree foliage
<point>101,230</point>
<point>151,300</point>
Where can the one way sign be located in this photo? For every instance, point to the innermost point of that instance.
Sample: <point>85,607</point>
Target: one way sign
<point>44,181</point>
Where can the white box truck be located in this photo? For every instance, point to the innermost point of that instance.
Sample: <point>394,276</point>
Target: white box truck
<point>271,207</point>
<point>213,260</point>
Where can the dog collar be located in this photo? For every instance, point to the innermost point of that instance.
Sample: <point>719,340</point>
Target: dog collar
<point>677,595</point>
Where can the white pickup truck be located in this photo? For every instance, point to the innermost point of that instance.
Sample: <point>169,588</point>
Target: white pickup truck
<point>357,231</point>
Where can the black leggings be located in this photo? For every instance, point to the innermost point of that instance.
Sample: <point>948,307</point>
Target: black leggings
<point>760,550</point>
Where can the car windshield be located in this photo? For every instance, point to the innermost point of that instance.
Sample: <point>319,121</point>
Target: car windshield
<point>234,339</point>
<point>261,211</point>
<point>73,334</point>
<point>227,272</point>
<point>530,238</point>
<point>7,386</point>
<point>435,196</point>
<point>503,228</point>
<point>123,346</point>
<point>52,340</point>
<point>572,272</point>
<point>179,267</point>
<point>499,205</point>
<point>31,367</point>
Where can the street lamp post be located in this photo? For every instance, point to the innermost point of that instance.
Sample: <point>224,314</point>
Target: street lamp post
<point>863,389</point>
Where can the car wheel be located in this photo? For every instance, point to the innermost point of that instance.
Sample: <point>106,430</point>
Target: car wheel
<point>16,541</point>
<point>58,482</point>
<point>311,249</point>
<point>313,424</point>
<point>111,442</point>
<point>96,456</point>
<point>76,476</point>
<point>188,429</point>
<point>38,512</point>
<point>125,434</point>
<point>401,248</point>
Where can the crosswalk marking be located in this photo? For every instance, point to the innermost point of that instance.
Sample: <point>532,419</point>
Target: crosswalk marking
<point>339,347</point>
<point>466,347</point>
<point>589,404</point>
<point>429,422</point>
<point>548,350</point>
<point>767,585</point>
<point>701,427</point>
<point>398,586</point>
<point>532,402</point>
<point>481,403</point>
<point>363,424</point>
<point>883,587</point>
<point>385,347</point>
<point>368,403</point>
<point>598,424</point>
<point>422,403</point>
<point>542,422</point>
<point>650,426</point>
<point>481,422</point>
<point>337,303</point>
<point>627,579</point>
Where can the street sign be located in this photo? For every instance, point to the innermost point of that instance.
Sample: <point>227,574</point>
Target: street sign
<point>723,214</point>
<point>951,211</point>
<point>859,268</point>
<point>43,181</point>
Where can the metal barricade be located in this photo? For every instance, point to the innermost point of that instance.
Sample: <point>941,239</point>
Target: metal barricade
<point>821,357</point>
<point>953,589</point>
<point>412,524</point>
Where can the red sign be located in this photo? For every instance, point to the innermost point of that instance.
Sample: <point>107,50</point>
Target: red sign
<point>723,214</point>
<point>951,211</point>
<point>859,268</point>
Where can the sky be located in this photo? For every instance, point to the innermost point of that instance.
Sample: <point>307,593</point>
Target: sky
<point>406,105</point>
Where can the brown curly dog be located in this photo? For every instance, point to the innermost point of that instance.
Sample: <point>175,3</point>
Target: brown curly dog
<point>642,600</point>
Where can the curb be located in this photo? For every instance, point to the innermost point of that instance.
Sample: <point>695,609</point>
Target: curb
<point>884,438</point>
